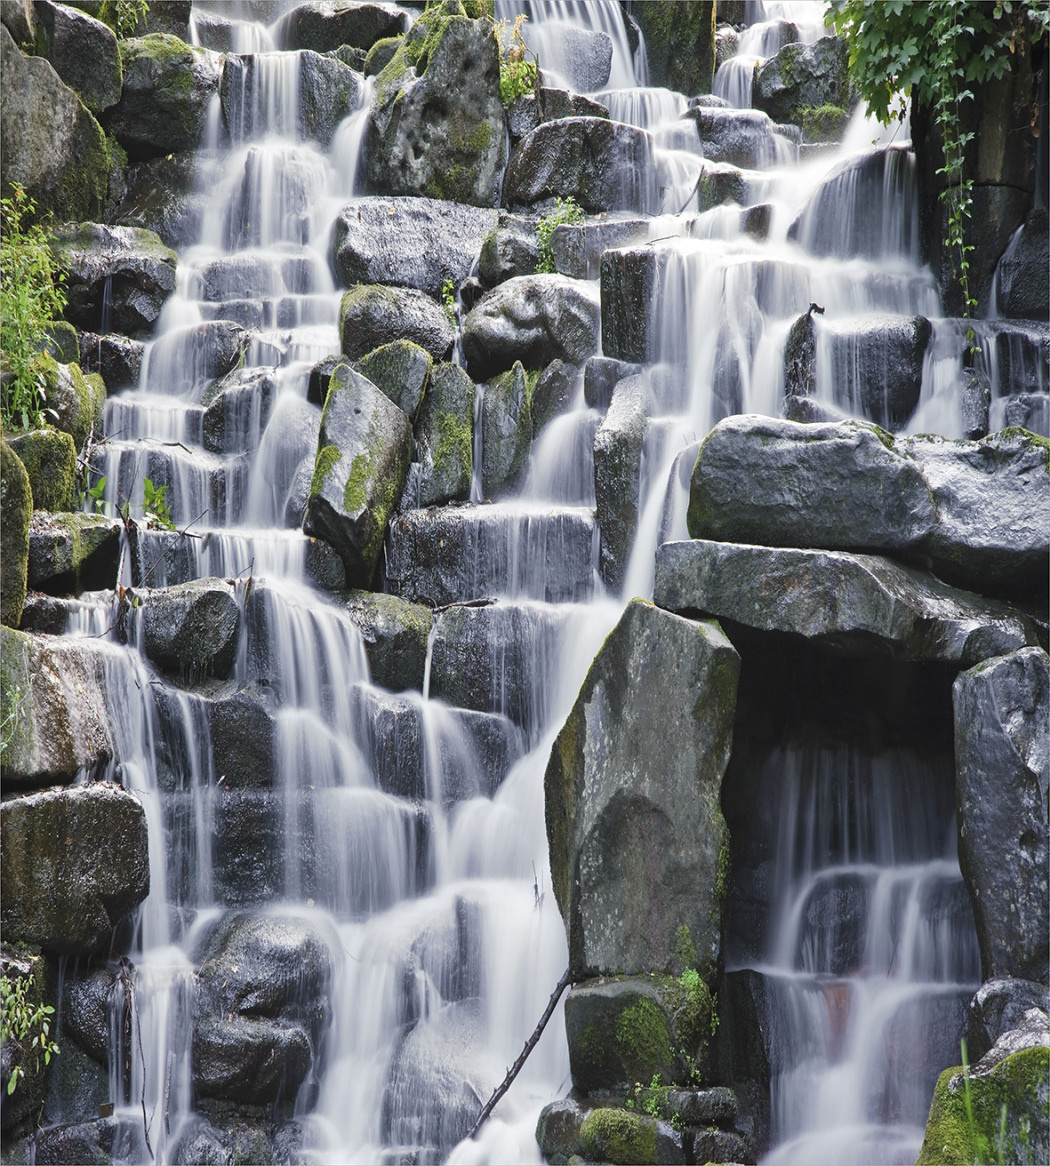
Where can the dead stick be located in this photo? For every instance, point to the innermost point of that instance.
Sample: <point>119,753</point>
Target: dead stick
<point>530,1044</point>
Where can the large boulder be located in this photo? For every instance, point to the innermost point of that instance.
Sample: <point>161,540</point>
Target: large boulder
<point>534,319</point>
<point>400,369</point>
<point>742,137</point>
<point>78,401</point>
<point>73,552</point>
<point>116,359</point>
<point>243,742</point>
<point>117,278</point>
<point>411,242</point>
<point>54,708</point>
<point>444,440</point>
<point>237,409</point>
<point>634,822</point>
<point>162,196</point>
<point>679,43</point>
<point>1002,751</point>
<point>83,51</point>
<point>189,630</point>
<point>510,248</point>
<point>436,126</point>
<point>363,452</point>
<point>803,77</point>
<point>168,85</point>
<point>579,58</point>
<point>371,315</point>
<point>16,510</point>
<point>52,145</point>
<point>324,26</point>
<point>395,634</point>
<point>603,165</point>
<point>506,430</point>
<point>577,248</point>
<point>617,472</point>
<point>853,604</point>
<point>74,862</point>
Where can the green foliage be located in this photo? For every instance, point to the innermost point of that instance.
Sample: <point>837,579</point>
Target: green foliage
<point>24,1024</point>
<point>32,295</point>
<point>97,495</point>
<point>517,75</point>
<point>448,300</point>
<point>123,16</point>
<point>567,212</point>
<point>156,505</point>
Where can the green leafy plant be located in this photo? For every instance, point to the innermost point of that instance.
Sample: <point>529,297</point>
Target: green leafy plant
<point>32,294</point>
<point>24,1024</point>
<point>156,505</point>
<point>568,211</point>
<point>123,16</point>
<point>517,74</point>
<point>448,300</point>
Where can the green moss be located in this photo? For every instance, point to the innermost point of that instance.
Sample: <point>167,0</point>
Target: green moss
<point>50,459</point>
<point>684,947</point>
<point>786,61</point>
<point>454,441</point>
<point>355,492</point>
<point>323,466</point>
<point>644,1036</point>
<point>725,869</point>
<point>821,123</point>
<point>614,1135</point>
<point>381,54</point>
<point>16,715</point>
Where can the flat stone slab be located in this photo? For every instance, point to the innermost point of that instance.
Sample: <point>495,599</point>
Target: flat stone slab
<point>857,604</point>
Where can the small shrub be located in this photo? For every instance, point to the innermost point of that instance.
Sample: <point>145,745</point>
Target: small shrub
<point>568,211</point>
<point>156,505</point>
<point>24,1024</point>
<point>517,74</point>
<point>448,300</point>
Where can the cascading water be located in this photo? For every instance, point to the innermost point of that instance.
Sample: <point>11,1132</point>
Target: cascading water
<point>435,901</point>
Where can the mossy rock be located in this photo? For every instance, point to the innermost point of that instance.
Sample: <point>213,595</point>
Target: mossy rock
<point>78,400</point>
<point>615,1135</point>
<point>50,460</point>
<point>823,123</point>
<point>679,43</point>
<point>61,342</point>
<point>400,370</point>
<point>381,54</point>
<point>16,509</point>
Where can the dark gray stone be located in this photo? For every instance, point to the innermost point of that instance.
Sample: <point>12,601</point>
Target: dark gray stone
<point>243,742</point>
<point>632,803</point>
<point>237,409</point>
<point>803,76</point>
<point>372,314</point>
<point>742,137</point>
<point>86,1004</point>
<point>628,281</point>
<point>1030,411</point>
<point>578,248</point>
<point>83,52</point>
<point>444,440</point>
<point>617,473</point>
<point>74,862</point>
<point>510,248</point>
<point>506,431</point>
<point>999,1006</point>
<point>395,634</point>
<point>162,196</point>
<point>1002,751</point>
<point>581,58</point>
<point>117,359</point>
<point>1022,285</point>
<point>189,630</point>
<point>603,165</point>
<point>323,27</point>
<point>975,396</point>
<point>410,242</point>
<point>547,104</point>
<point>555,392</point>
<point>73,552</point>
<point>534,319</point>
<point>601,375</point>
<point>401,370</point>
<point>558,1130</point>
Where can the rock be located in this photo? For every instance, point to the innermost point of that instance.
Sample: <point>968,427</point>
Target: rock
<point>548,104</point>
<point>162,196</point>
<point>371,315</point>
<point>19,18</point>
<point>1019,1084</point>
<point>380,55</point>
<point>243,741</point>
<point>254,1061</point>
<point>580,58</point>
<point>506,425</point>
<point>1000,1006</point>
<point>74,862</point>
<point>401,370</point>
<point>117,278</point>
<point>167,87</point>
<point>83,52</point>
<point>618,1135</point>
<point>534,319</point>
<point>601,376</point>
<point>555,392</point>
<point>410,242</point>
<point>395,634</point>
<point>436,126</point>
<point>85,1014</point>
<point>1029,411</point>
<point>249,839</point>
<point>237,409</point>
<point>1021,282</point>
<point>510,248</point>
<point>453,555</point>
<point>727,42</point>
<point>633,803</point>
<point>975,396</point>
<point>628,281</point>
<point>117,359</point>
<point>16,510</point>
<point>73,552</point>
<point>558,1130</point>
<point>51,144</point>
<point>617,473</point>
<point>636,1028</point>
<point>720,183</point>
<point>323,27</point>
<point>802,78</point>
<point>852,604</point>
<point>189,630</point>
<point>444,440</point>
<point>742,137</point>
<point>603,165</point>
<point>35,974</point>
<point>50,460</point>
<point>578,248</point>
<point>1002,750</point>
<point>363,452</point>
<point>98,1141</point>
<point>679,44</point>
<point>183,358</point>
<point>54,707</point>
<point>78,401</point>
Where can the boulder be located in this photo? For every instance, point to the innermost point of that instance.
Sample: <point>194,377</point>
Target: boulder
<point>243,741</point>
<point>380,55</point>
<point>558,1130</point>
<point>617,473</point>
<point>1029,411</point>
<point>74,862</point>
<point>83,52</point>
<point>249,841</point>
<point>117,278</point>
<point>852,604</point>
<point>189,630</point>
<point>162,196</point>
<point>96,1141</point>
<point>506,430</point>
<point>601,375</point>
<point>363,452</point>
<point>371,315</point>
<point>1002,751</point>
<point>436,126</point>
<point>16,510</point>
<point>548,104</point>
<point>602,164</point>
<point>395,634</point>
<point>619,1135</point>
<point>633,803</point>
<point>534,319</point>
<point>168,85</point>
<point>248,1060</point>
<point>50,460</point>
<point>54,709</point>
<point>801,78</point>
<point>510,248</point>
<point>720,183</point>
<point>410,242</point>
<point>998,1007</point>
<point>51,144</point>
<point>580,58</point>
<point>70,553</point>
<point>182,359</point>
<point>85,1014</point>
<point>19,18</point>
<point>1021,281</point>
<point>401,370</point>
<point>746,138</point>
<point>323,26</point>
<point>116,359</point>
<point>237,409</point>
<point>451,555</point>
<point>578,248</point>
<point>444,440</point>
<point>628,282</point>
<point>679,44</point>
<point>78,401</point>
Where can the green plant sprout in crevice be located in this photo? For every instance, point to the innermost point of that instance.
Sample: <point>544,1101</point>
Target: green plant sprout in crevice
<point>448,300</point>
<point>568,211</point>
<point>517,74</point>
<point>24,1024</point>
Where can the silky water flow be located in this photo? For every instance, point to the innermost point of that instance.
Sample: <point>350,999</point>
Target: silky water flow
<point>434,904</point>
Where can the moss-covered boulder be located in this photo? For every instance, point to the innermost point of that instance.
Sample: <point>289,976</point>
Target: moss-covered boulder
<point>634,821</point>
<point>620,1136</point>
<point>444,440</point>
<point>78,399</point>
<point>363,452</point>
<point>506,430</point>
<point>436,127</point>
<point>50,460</point>
<point>189,630</point>
<point>167,87</point>
<point>679,43</point>
<point>801,78</point>
<point>16,510</point>
<point>371,315</point>
<point>83,51</point>
<point>401,370</point>
<point>395,634</point>
<point>74,862</point>
<point>61,342</point>
<point>69,553</point>
<point>51,144</point>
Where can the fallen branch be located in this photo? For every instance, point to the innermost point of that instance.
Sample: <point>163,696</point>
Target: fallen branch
<point>530,1044</point>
